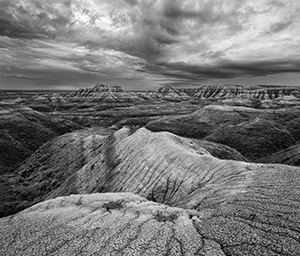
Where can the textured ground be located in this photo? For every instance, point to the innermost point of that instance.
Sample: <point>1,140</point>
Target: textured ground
<point>93,225</point>
<point>127,224</point>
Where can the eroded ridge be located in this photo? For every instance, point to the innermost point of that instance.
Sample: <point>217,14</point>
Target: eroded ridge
<point>164,168</point>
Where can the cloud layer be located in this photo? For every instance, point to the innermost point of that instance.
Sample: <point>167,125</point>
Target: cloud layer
<point>139,43</point>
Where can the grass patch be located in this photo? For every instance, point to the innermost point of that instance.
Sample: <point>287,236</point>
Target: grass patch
<point>114,205</point>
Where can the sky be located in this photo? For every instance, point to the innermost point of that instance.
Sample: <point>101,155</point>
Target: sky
<point>146,44</point>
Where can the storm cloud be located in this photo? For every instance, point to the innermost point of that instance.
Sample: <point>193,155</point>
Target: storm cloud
<point>144,43</point>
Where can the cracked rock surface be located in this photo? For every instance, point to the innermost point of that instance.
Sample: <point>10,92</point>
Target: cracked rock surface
<point>128,224</point>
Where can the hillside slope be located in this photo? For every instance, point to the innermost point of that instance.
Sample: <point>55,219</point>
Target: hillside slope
<point>254,133</point>
<point>290,156</point>
<point>23,130</point>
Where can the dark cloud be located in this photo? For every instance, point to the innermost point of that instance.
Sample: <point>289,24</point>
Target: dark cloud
<point>61,42</point>
<point>277,3</point>
<point>208,14</point>
<point>153,25</point>
<point>279,26</point>
<point>23,19</point>
<point>164,40</point>
<point>175,11</point>
<point>11,28</point>
<point>21,77</point>
<point>212,55</point>
<point>225,70</point>
<point>131,2</point>
<point>170,26</point>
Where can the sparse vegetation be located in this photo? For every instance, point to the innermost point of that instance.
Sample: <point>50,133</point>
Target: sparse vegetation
<point>79,201</point>
<point>114,205</point>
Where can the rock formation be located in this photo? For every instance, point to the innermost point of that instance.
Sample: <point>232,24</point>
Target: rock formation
<point>185,202</point>
<point>103,93</point>
<point>272,96</point>
<point>106,93</point>
<point>242,92</point>
<point>168,92</point>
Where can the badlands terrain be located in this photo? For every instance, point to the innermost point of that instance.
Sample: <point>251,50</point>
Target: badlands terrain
<point>213,170</point>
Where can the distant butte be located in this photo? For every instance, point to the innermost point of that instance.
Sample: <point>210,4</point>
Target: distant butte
<point>115,93</point>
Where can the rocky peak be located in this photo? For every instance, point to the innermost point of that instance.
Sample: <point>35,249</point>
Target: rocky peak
<point>102,92</point>
<point>107,88</point>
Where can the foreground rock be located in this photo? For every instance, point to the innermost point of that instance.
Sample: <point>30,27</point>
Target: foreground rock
<point>127,224</point>
<point>101,224</point>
